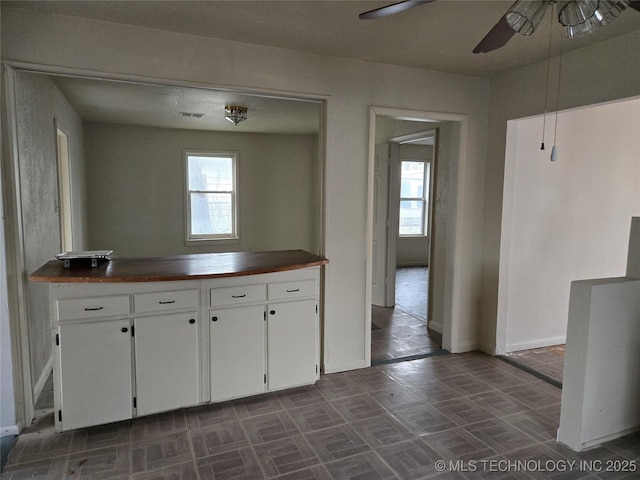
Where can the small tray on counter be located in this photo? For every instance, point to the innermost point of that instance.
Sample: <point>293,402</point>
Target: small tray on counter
<point>84,257</point>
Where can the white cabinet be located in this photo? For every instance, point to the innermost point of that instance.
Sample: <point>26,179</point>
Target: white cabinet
<point>166,362</point>
<point>237,352</point>
<point>94,373</point>
<point>131,349</point>
<point>292,338</point>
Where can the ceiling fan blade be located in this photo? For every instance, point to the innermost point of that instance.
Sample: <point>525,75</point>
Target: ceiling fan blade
<point>635,5</point>
<point>392,9</point>
<point>497,37</point>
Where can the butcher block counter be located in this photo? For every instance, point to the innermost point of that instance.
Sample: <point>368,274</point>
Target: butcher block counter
<point>138,336</point>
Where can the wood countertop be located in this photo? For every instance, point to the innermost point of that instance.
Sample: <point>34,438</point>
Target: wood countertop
<point>179,267</point>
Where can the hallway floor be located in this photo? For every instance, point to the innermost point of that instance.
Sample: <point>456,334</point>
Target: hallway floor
<point>547,362</point>
<point>388,422</point>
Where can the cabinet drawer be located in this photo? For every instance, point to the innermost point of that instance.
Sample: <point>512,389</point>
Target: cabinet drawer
<point>92,307</point>
<point>296,289</point>
<point>169,300</point>
<point>237,295</point>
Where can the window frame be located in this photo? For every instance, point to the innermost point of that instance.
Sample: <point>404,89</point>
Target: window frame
<point>208,239</point>
<point>426,188</point>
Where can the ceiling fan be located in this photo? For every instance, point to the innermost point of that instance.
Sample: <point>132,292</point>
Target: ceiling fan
<point>579,18</point>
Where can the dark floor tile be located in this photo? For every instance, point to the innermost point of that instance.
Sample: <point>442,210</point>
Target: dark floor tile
<point>435,391</point>
<point>535,395</point>
<point>285,456</point>
<point>463,411</point>
<point>357,408</point>
<point>105,463</point>
<point>300,397</point>
<point>101,436</point>
<point>551,411</point>
<point>466,384</point>
<point>498,403</point>
<point>373,380</point>
<point>155,426</point>
<point>219,438</point>
<point>269,427</point>
<point>414,459</point>
<point>46,469</point>
<point>438,367</point>
<point>337,385</point>
<point>359,467</point>
<point>159,452</point>
<point>535,425</point>
<point>30,448</point>
<point>458,444</point>
<point>500,436</point>
<point>206,415</point>
<point>185,471</point>
<point>425,420</point>
<point>257,405</point>
<point>235,464</point>
<point>398,398</point>
<point>501,377</point>
<point>382,430</point>
<point>319,472</point>
<point>316,417</point>
<point>336,443</point>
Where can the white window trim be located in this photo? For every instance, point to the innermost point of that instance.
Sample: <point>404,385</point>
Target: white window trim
<point>424,199</point>
<point>197,240</point>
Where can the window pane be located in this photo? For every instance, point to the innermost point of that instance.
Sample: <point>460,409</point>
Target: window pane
<point>210,173</point>
<point>211,214</point>
<point>412,179</point>
<point>411,217</point>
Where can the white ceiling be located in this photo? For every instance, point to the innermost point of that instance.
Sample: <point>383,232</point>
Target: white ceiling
<point>438,36</point>
<point>158,106</point>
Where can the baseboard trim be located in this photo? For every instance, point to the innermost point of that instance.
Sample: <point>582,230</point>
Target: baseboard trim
<point>9,430</point>
<point>543,342</point>
<point>436,326</point>
<point>344,366</point>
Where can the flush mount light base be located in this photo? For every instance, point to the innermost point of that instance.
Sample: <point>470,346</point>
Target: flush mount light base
<point>235,114</point>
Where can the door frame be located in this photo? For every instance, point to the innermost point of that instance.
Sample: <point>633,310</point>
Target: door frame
<point>454,277</point>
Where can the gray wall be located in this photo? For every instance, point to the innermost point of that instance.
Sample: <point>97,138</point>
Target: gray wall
<point>137,197</point>
<point>39,102</point>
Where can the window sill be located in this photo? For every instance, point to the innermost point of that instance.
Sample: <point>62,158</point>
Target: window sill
<point>211,241</point>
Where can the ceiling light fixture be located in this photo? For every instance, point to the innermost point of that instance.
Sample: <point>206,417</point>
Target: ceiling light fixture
<point>579,18</point>
<point>235,114</point>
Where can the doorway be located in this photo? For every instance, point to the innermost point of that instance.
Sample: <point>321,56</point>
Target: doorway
<point>405,154</point>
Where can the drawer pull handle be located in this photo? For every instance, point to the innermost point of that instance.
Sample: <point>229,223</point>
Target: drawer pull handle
<point>294,290</point>
<point>93,309</point>
<point>192,321</point>
<point>166,302</point>
<point>239,296</point>
<point>272,312</point>
<point>124,329</point>
<point>214,319</point>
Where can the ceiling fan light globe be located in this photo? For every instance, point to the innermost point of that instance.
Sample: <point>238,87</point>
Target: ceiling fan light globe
<point>581,18</point>
<point>524,16</point>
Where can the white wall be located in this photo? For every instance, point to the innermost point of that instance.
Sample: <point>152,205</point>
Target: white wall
<point>596,74</point>
<point>136,179</point>
<point>7,401</point>
<point>38,103</point>
<point>565,220</point>
<point>349,87</point>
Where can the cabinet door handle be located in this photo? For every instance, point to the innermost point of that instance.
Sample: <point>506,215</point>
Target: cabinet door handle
<point>239,296</point>
<point>93,309</point>
<point>272,312</point>
<point>294,290</point>
<point>166,302</point>
<point>124,329</point>
<point>214,319</point>
<point>192,321</point>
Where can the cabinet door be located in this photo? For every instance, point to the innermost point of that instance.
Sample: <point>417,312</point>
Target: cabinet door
<point>166,362</point>
<point>237,352</point>
<point>95,373</point>
<point>291,344</point>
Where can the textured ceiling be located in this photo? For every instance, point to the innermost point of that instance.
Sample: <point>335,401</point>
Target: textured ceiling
<point>438,36</point>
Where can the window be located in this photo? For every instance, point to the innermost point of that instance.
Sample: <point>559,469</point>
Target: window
<point>414,197</point>
<point>212,212</point>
